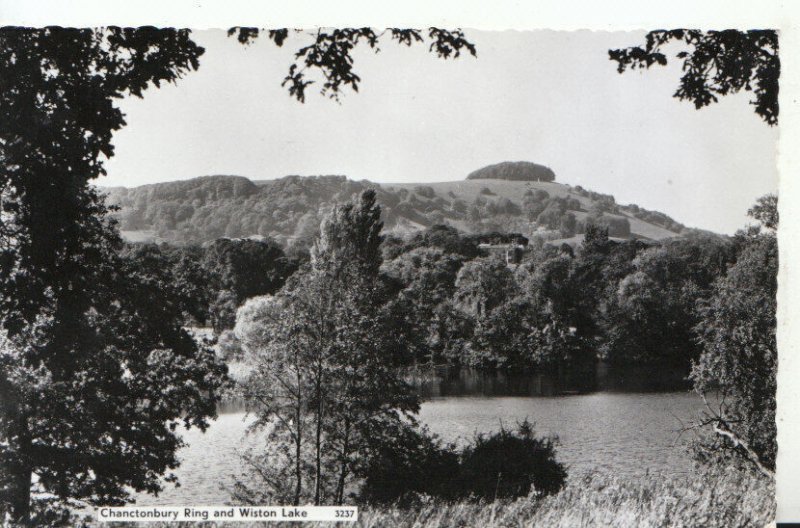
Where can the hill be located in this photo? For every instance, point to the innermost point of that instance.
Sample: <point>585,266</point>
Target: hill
<point>289,209</point>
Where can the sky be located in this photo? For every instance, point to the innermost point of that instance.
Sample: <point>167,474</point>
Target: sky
<point>548,97</point>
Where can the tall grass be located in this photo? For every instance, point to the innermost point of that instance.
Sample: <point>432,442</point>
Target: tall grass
<point>719,497</point>
<point>713,498</point>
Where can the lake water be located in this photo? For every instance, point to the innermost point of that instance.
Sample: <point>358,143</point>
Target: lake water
<point>610,431</point>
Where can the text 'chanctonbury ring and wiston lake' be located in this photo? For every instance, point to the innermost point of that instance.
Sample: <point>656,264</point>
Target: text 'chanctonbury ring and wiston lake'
<point>227,513</point>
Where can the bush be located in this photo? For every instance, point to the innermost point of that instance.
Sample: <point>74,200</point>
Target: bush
<point>507,464</point>
<point>425,191</point>
<point>510,464</point>
<point>410,463</point>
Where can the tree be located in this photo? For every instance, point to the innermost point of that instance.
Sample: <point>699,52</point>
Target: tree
<point>715,64</point>
<point>427,277</point>
<point>331,52</point>
<point>765,211</point>
<point>241,269</point>
<point>247,268</point>
<point>95,371</point>
<point>326,358</point>
<point>739,358</point>
<point>652,314</point>
<point>178,270</point>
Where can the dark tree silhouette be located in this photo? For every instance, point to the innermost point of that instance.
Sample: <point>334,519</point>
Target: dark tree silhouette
<point>331,52</point>
<point>95,370</point>
<point>715,64</point>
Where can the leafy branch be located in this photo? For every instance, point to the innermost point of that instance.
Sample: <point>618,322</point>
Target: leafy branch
<point>715,64</point>
<point>331,53</point>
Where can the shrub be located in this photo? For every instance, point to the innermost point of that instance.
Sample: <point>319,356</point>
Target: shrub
<point>487,191</point>
<point>506,206</point>
<point>425,191</point>
<point>406,464</point>
<point>510,464</point>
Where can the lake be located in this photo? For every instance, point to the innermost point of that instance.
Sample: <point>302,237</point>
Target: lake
<point>614,430</point>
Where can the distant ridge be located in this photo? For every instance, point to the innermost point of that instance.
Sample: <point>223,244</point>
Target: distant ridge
<point>290,209</point>
<point>514,170</point>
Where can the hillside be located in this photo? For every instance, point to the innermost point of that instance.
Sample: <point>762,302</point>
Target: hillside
<point>290,208</point>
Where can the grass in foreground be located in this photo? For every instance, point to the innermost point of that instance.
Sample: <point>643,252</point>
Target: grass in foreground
<point>719,497</point>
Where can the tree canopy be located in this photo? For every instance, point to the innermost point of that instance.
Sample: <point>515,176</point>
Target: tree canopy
<point>715,64</point>
<point>330,52</point>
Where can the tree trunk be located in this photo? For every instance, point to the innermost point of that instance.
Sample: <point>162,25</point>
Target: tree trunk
<point>298,450</point>
<point>318,484</point>
<point>343,464</point>
<point>21,498</point>
<point>21,475</point>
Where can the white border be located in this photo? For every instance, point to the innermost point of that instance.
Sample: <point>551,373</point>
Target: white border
<point>513,14</point>
<point>493,15</point>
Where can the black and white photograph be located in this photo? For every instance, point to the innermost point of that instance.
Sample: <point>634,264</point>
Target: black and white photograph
<point>389,276</point>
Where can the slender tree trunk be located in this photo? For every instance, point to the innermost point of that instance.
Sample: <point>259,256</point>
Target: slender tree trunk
<point>298,445</point>
<point>21,499</point>
<point>22,474</point>
<point>343,464</point>
<point>318,484</point>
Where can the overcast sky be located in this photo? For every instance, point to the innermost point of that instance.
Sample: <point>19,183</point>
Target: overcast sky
<point>549,97</point>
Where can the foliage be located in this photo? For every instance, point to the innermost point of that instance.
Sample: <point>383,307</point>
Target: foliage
<point>506,464</point>
<point>95,371</point>
<point>510,464</point>
<point>247,267</point>
<point>652,315</point>
<point>241,269</point>
<point>405,462</point>
<point>289,210</point>
<point>740,355</point>
<point>325,382</point>
<point>178,271</point>
<point>331,51</point>
<point>765,211</point>
<point>514,170</point>
<point>715,64</point>
<point>426,278</point>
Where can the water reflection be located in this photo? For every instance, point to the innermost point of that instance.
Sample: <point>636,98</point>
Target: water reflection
<point>445,381</point>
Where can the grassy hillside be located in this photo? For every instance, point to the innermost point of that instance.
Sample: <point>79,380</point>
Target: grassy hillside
<point>290,209</point>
